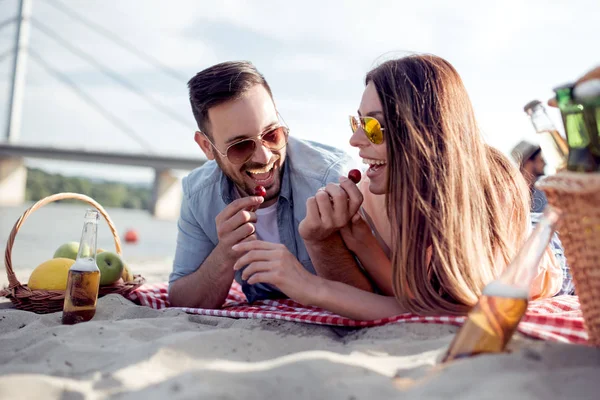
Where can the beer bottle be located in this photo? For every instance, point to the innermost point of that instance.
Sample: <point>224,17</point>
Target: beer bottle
<point>83,282</point>
<point>494,319</point>
<point>588,95</point>
<point>584,154</point>
<point>554,146</point>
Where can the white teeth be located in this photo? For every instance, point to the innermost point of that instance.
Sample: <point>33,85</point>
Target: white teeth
<point>370,161</point>
<point>261,170</point>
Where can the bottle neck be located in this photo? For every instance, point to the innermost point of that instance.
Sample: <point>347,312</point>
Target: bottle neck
<point>524,268</point>
<point>87,244</point>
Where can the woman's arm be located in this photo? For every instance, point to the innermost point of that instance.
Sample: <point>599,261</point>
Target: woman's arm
<point>354,303</point>
<point>273,264</point>
<point>359,239</point>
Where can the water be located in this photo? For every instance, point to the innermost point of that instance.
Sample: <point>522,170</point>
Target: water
<point>54,224</point>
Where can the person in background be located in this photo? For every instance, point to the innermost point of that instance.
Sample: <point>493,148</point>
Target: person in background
<point>530,160</point>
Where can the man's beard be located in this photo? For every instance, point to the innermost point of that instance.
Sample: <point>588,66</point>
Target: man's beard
<point>241,184</point>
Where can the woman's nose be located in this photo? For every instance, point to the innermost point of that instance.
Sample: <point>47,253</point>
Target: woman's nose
<point>358,138</point>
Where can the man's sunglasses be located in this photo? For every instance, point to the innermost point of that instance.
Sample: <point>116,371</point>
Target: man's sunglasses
<point>242,150</point>
<point>370,126</point>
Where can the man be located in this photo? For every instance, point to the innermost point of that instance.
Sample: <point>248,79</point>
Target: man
<point>247,145</point>
<point>531,164</point>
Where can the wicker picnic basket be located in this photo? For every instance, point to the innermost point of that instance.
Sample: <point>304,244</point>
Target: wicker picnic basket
<point>48,301</point>
<point>578,196</point>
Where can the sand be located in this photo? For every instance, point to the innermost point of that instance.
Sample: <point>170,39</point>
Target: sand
<point>128,351</point>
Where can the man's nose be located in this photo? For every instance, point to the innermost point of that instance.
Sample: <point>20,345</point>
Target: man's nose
<point>262,154</point>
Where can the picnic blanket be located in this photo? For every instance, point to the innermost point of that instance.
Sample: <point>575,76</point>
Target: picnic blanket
<point>557,319</point>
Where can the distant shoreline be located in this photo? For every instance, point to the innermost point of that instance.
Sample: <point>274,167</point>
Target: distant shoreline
<point>41,184</point>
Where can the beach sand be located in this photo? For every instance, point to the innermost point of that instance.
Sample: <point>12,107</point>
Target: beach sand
<point>128,351</point>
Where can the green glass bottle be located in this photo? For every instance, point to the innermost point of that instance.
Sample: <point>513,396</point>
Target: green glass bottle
<point>588,95</point>
<point>584,154</point>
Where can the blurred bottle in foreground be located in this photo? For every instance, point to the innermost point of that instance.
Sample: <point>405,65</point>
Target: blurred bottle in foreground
<point>494,319</point>
<point>584,147</point>
<point>554,146</point>
<point>83,283</point>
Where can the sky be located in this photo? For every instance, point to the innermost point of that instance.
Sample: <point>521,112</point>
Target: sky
<point>314,54</point>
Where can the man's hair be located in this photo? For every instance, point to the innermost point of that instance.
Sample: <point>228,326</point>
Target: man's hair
<point>219,84</point>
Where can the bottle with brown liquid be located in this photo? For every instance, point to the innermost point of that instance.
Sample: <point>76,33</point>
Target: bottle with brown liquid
<point>554,146</point>
<point>83,283</point>
<point>494,319</point>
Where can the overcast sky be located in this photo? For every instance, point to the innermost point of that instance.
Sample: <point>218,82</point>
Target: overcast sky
<point>314,54</point>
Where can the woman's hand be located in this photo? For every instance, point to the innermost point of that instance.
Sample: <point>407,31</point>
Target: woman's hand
<point>330,209</point>
<point>357,234</point>
<point>274,264</point>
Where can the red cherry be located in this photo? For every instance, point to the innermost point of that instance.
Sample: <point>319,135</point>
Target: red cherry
<point>354,175</point>
<point>260,191</point>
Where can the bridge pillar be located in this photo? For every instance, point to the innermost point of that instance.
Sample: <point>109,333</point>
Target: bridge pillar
<point>13,179</point>
<point>166,195</point>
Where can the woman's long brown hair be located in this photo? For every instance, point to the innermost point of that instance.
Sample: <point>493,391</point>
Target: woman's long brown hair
<point>459,209</point>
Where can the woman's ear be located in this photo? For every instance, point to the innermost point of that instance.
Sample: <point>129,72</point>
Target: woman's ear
<point>204,144</point>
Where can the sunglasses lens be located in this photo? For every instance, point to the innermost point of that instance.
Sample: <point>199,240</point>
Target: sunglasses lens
<point>372,129</point>
<point>275,139</point>
<point>353,124</point>
<point>241,152</point>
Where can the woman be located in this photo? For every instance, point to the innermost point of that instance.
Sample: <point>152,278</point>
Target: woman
<point>457,209</point>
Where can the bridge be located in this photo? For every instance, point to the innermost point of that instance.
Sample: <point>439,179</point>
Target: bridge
<point>166,192</point>
<point>166,198</point>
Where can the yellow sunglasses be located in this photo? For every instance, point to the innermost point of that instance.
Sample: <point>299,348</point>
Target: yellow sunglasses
<point>370,126</point>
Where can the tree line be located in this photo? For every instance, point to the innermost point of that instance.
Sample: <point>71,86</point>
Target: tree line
<point>42,184</point>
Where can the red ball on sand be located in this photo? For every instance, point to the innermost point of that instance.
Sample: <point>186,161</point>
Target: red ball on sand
<point>131,236</point>
<point>354,175</point>
<point>260,191</point>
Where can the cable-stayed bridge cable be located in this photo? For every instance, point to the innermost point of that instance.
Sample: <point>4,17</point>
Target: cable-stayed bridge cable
<point>111,73</point>
<point>6,54</point>
<point>7,22</point>
<point>114,120</point>
<point>107,34</point>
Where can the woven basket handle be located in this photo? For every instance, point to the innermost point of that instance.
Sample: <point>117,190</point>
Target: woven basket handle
<point>12,278</point>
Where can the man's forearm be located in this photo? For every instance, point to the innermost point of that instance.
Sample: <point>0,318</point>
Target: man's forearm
<point>332,260</point>
<point>206,288</point>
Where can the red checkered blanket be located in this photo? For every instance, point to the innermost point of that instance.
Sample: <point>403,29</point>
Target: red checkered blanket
<point>557,318</point>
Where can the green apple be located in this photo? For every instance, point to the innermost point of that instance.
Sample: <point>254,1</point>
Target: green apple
<point>111,267</point>
<point>67,250</point>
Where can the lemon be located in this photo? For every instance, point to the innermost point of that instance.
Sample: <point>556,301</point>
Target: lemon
<point>51,275</point>
<point>126,274</point>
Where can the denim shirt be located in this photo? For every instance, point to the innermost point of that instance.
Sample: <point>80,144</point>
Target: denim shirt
<point>207,191</point>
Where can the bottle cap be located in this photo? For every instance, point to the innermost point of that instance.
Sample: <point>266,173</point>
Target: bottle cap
<point>531,105</point>
<point>563,87</point>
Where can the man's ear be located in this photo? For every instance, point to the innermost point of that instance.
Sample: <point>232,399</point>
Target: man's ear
<point>204,144</point>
